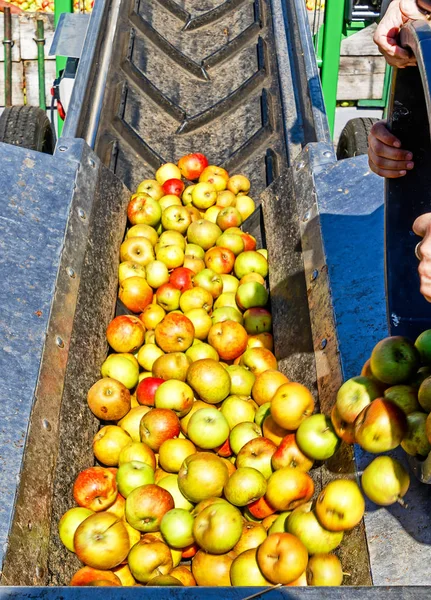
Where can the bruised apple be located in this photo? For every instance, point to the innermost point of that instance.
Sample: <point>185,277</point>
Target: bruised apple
<point>95,488</point>
<point>340,505</point>
<point>288,454</point>
<point>108,399</point>
<point>146,390</point>
<point>159,425</point>
<point>291,404</point>
<point>380,427</point>
<point>282,558</point>
<point>101,541</point>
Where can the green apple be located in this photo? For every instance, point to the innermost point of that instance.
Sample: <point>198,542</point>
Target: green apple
<point>279,525</point>
<point>241,380</point>
<point>423,344</point>
<point>70,522</point>
<point>133,474</point>
<point>404,396</point>
<point>394,360</point>
<point>251,295</point>
<point>250,262</point>
<point>415,440</point>
<point>354,395</point>
<point>122,367</point>
<point>385,481</point>
<point>261,413</point>
<point>218,528</point>
<point>208,428</point>
<point>304,524</point>
<point>316,437</point>
<point>243,433</point>
<point>170,483</point>
<point>177,528</point>
<point>245,485</point>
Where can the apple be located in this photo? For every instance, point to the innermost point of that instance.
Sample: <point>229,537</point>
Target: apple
<point>324,570</point>
<point>278,523</point>
<point>340,505</point>
<point>243,433</point>
<point>251,295</point>
<point>108,399</point>
<point>231,241</point>
<point>175,333</point>
<point>215,175</point>
<point>86,575</point>
<point>146,390</point>
<point>249,240</point>
<point>175,395</point>
<point>172,256</point>
<point>225,198</point>
<point>203,233</point>
<point>385,481</point>
<point>229,217</point>
<point>192,165</point>
<point>291,404</point>
<point>208,428</point>
<point>119,506</point>
<point>220,260</point>
<point>424,394</point>
<point>316,437</point>
<point>303,523</point>
<point>344,430</point>
<point>226,313</point>
<point>146,505</point>
<point>218,528</point>
<point>211,213</point>
<point>380,426</point>
<point>237,409</point>
<point>177,528</point>
<point>70,522</point>
<point>156,273</point>
<point>245,206</point>
<point>168,297</point>
<point>129,268</point>
<point>101,541</point>
<point>244,486</point>
<point>167,171</point>
<point>198,404</point>
<point>245,570</point>
<point>230,282</point>
<point>282,558</point>
<point>132,420</point>
<point>150,187</point>
<point>258,510</point>
<point>241,380</point>
<point>143,230</point>
<point>404,396</point>
<point>194,251</point>
<point>229,338</point>
<point>289,488</point>
<point>142,208</point>
<point>176,218</point>
<point>288,454</point>
<point>258,360</point>
<point>148,558</point>
<point>238,183</point>
<point>148,354</point>
<point>422,344</point>
<point>209,380</point>
<point>250,262</point>
<point>132,475</point>
<point>173,186</point>
<point>257,453</point>
<point>264,252</point>
<point>164,580</point>
<point>137,451</point>
<point>183,574</point>
<point>415,440</point>
<point>201,322</point>
<point>272,431</point>
<point>170,483</point>
<point>253,534</point>
<point>201,351</point>
<point>196,298</point>
<point>182,279</point>
<point>209,280</point>
<point>262,413</point>
<point>158,425</point>
<point>138,249</point>
<point>212,569</point>
<point>108,443</point>
<point>151,316</point>
<point>201,476</point>
<point>266,385</point>
<point>204,195</point>
<point>252,277</point>
<point>135,294</point>
<point>172,238</point>
<point>257,320</point>
<point>261,340</point>
<point>226,299</point>
<point>394,360</point>
<point>172,366</point>
<point>207,502</point>
<point>354,395</point>
<point>173,452</point>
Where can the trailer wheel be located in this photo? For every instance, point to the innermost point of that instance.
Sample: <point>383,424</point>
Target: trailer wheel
<point>27,126</point>
<point>354,138</point>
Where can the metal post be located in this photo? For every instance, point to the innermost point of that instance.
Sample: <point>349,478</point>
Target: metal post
<point>333,28</point>
<point>7,44</point>
<point>61,6</point>
<point>40,41</point>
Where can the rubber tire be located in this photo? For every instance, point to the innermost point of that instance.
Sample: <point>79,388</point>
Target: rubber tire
<point>28,127</point>
<point>354,138</point>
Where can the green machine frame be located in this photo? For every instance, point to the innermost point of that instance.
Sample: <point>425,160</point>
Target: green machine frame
<point>60,7</point>
<point>338,25</point>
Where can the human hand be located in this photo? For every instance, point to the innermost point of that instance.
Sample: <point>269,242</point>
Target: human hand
<point>386,34</point>
<point>385,156</point>
<point>422,227</point>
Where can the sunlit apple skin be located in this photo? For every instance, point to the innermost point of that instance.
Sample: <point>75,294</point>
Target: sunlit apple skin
<point>150,187</point>
<point>192,165</point>
<point>196,298</point>
<point>172,454</point>
<point>146,505</point>
<point>303,523</point>
<point>184,574</point>
<point>220,260</point>
<point>229,338</point>
<point>238,183</point>
<point>144,209</point>
<point>168,297</point>
<point>198,404</point>
<point>289,488</point>
<point>108,399</point>
<point>146,390</point>
<point>173,186</point>
<point>278,524</point>
<point>172,256</point>
<point>70,522</point>
<point>208,428</point>
<point>209,380</point>
<point>242,380</point>
<point>202,476</point>
<point>226,299</point>
<point>172,238</point>
<point>246,207</point>
<point>182,278</point>
<point>139,250</point>
<point>218,528</point>
<point>288,454</point>
<point>209,280</point>
<point>380,427</point>
<point>253,534</point>
<point>166,202</point>
<point>324,570</point>
<point>354,395</point>
<point>203,233</point>
<point>237,409</point>
<point>257,320</point>
<point>340,505</point>
<point>135,294</point>
<point>151,316</point>
<point>175,333</point>
<point>394,360</point>
<point>385,481</point>
<point>244,486</point>
<point>119,506</point>
<point>149,558</point>
<point>272,431</point>
<point>130,268</point>
<point>86,575</point>
<point>158,425</point>
<point>251,295</point>
<point>176,218</point>
<point>101,541</point>
<point>415,441</point>
<point>226,313</point>
<point>231,241</point>
<point>291,404</point>
<point>174,365</point>
<point>250,262</point>
<point>404,396</point>
<point>212,569</point>
<point>132,475</point>
<point>170,483</point>
<point>167,171</point>
<point>137,451</point>
<point>282,558</point>
<point>215,175</point>
<point>344,430</point>
<point>229,217</point>
<point>132,420</point>
<point>261,413</point>
<point>148,355</point>
<point>211,213</point>
<point>125,333</point>
<point>204,195</point>
<point>243,433</point>
<point>202,351</point>
<point>257,453</point>
<point>108,443</point>
<point>258,360</point>
<point>225,198</point>
<point>245,571</point>
<point>175,395</point>
<point>266,384</point>
<point>316,437</point>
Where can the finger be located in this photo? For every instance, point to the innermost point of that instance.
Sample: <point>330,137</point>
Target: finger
<point>424,271</point>
<point>382,133</point>
<point>387,163</point>
<point>381,149</point>
<point>386,172</point>
<point>422,225</point>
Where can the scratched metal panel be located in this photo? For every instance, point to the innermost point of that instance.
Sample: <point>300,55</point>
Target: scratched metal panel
<point>33,214</point>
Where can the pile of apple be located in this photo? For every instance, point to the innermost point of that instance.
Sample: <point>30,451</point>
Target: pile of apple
<point>205,445</point>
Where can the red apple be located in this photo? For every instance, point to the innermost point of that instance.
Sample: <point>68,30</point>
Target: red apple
<point>192,165</point>
<point>175,333</point>
<point>95,488</point>
<point>125,333</point>
<point>146,505</point>
<point>86,575</point>
<point>168,297</point>
<point>344,430</point>
<point>146,390</point>
<point>380,426</point>
<point>229,339</point>
<point>288,454</point>
<point>144,209</point>
<point>220,260</point>
<point>135,294</point>
<point>257,453</point>
<point>260,509</point>
<point>108,399</point>
<point>173,186</point>
<point>158,425</point>
<point>182,278</point>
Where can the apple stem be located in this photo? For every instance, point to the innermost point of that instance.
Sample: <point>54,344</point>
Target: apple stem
<point>347,574</point>
<point>402,503</point>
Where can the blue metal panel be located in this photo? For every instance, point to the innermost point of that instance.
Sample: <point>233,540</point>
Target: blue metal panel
<point>33,215</point>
